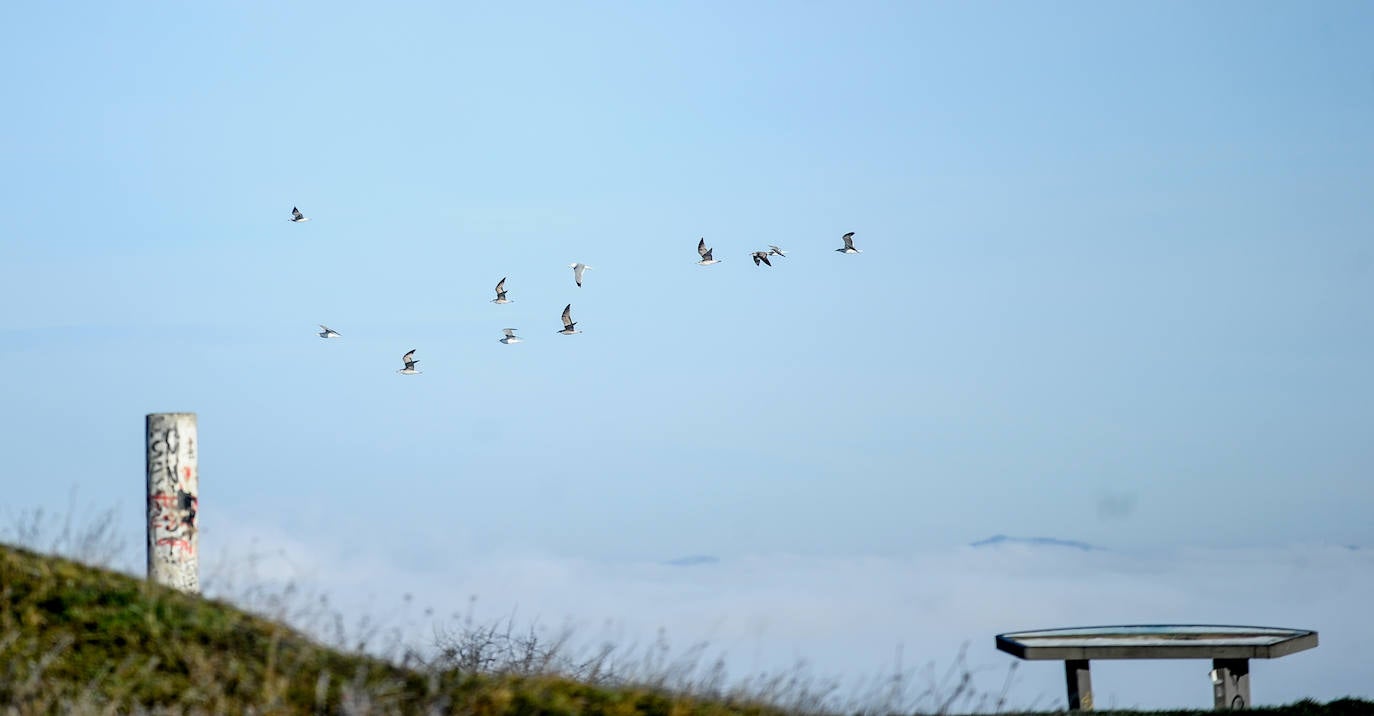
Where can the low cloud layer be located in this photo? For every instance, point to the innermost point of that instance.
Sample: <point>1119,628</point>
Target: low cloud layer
<point>858,618</point>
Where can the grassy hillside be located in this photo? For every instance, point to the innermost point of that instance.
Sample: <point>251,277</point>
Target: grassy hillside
<point>78,640</point>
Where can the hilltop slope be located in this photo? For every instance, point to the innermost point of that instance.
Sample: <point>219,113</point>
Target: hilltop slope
<point>77,639</point>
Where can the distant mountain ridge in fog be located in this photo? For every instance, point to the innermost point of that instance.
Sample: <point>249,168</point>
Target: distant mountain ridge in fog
<point>996,540</point>
<point>693,560</point>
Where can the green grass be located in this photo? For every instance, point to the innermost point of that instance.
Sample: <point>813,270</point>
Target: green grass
<point>79,640</point>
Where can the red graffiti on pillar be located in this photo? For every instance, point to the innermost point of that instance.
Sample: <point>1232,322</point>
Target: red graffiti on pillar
<point>173,543</point>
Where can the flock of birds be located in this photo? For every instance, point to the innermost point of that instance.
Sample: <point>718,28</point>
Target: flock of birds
<point>408,360</point>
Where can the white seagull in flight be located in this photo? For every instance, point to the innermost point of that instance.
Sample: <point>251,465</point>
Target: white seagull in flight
<point>706,259</point>
<point>327,332</point>
<point>849,245</point>
<point>501,292</point>
<point>409,360</point>
<point>510,336</point>
<point>578,268</point>
<point>297,217</point>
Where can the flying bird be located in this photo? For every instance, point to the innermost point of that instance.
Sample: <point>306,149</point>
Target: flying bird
<point>761,256</point>
<point>510,336</point>
<point>501,292</point>
<point>409,360</point>
<point>568,322</point>
<point>775,250</point>
<point>849,245</point>
<point>706,259</point>
<point>327,332</point>
<point>296,216</point>
<point>578,268</point>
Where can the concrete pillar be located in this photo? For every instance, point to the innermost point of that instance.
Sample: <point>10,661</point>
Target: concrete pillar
<point>1230,684</point>
<point>1080,683</point>
<point>173,500</point>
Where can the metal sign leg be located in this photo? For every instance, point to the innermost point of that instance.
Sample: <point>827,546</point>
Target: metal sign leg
<point>1080,683</point>
<point>1230,684</point>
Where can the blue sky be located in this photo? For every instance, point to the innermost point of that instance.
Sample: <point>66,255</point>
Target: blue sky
<point>1116,280</point>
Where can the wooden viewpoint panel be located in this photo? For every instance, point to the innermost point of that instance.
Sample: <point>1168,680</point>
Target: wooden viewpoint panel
<point>1157,641</point>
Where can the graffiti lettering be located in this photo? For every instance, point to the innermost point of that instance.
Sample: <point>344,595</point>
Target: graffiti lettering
<point>173,505</point>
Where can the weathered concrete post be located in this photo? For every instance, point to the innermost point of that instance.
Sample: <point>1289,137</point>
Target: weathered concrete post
<point>173,500</point>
